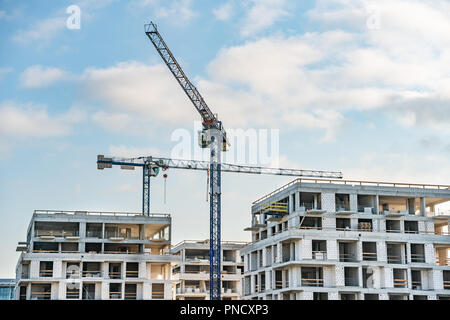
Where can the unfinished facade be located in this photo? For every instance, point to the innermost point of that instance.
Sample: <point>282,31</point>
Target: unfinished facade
<point>95,255</point>
<point>349,240</point>
<point>192,272</point>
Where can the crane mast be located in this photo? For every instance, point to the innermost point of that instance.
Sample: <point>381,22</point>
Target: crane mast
<point>215,140</point>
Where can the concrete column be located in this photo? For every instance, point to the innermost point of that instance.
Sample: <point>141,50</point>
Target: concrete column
<point>298,249</point>
<point>264,256</point>
<point>422,207</point>
<point>381,251</point>
<point>292,251</point>
<point>252,284</point>
<point>430,253</point>
<point>306,249</point>
<point>359,256</point>
<point>297,201</point>
<point>268,280</point>
<point>332,250</point>
<point>279,252</point>
<point>142,269</point>
<point>438,279</point>
<point>82,230</point>
<point>62,290</point>
<point>105,291</point>
<point>54,291</point>
<point>354,202</point>
<point>408,276</point>
<point>377,204</point>
<point>360,278</point>
<point>57,268</point>
<point>408,253</point>
<point>258,259</point>
<point>291,203</point>
<point>246,264</point>
<point>34,269</point>
<point>146,291</point>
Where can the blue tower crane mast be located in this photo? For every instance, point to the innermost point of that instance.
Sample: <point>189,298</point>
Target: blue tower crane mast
<point>215,140</point>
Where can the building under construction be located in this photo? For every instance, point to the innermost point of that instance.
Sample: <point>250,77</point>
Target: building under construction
<point>95,255</point>
<point>349,240</point>
<point>192,273</point>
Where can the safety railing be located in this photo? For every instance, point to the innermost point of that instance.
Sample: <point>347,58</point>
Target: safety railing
<point>45,273</point>
<point>369,256</point>
<point>132,273</point>
<point>276,207</point>
<point>92,273</point>
<point>56,233</point>
<point>134,251</point>
<point>354,182</point>
<point>397,259</point>
<point>417,257</point>
<point>102,213</point>
<point>312,282</point>
<point>446,284</point>
<point>157,294</point>
<point>400,283</point>
<point>347,257</point>
<point>115,295</point>
<point>73,294</point>
<point>44,295</point>
<point>280,284</point>
<point>319,255</point>
<point>118,234</point>
<point>130,295</point>
<point>115,274</point>
<point>260,288</point>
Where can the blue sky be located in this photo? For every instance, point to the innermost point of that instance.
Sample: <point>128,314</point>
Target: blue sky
<point>352,85</point>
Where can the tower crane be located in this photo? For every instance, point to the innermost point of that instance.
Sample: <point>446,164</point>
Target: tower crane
<point>212,136</point>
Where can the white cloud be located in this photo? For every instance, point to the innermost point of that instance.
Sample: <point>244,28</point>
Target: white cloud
<point>33,121</point>
<point>38,76</point>
<point>137,94</point>
<point>224,12</point>
<point>41,32</point>
<point>263,14</point>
